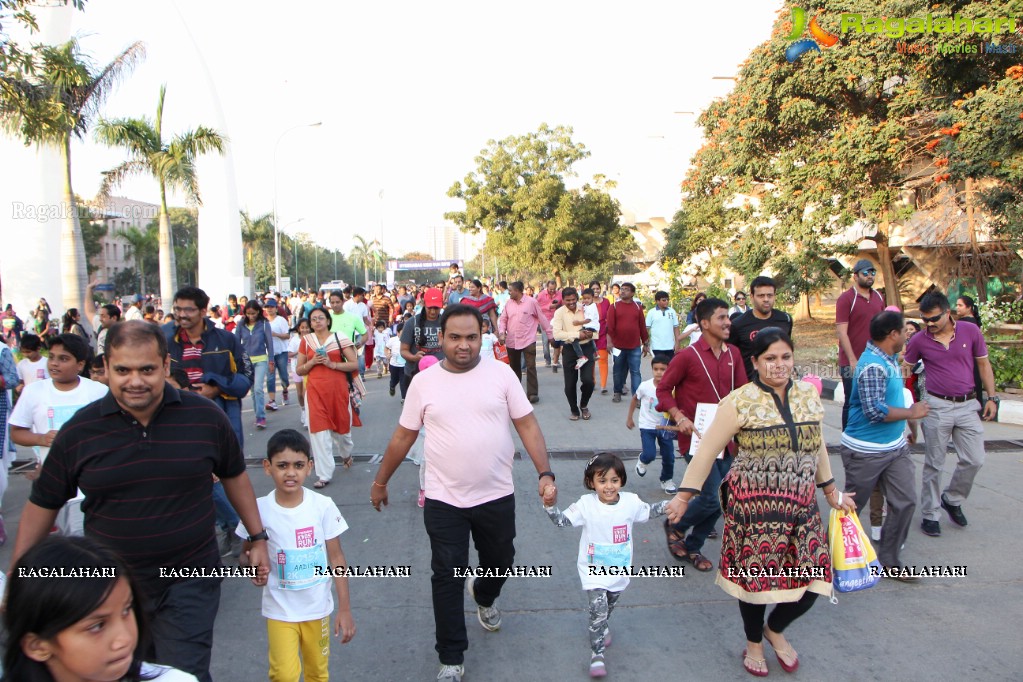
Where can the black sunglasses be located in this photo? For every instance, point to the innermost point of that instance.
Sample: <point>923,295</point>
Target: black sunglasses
<point>929,320</point>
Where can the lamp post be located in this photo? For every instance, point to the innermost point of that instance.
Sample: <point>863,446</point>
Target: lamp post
<point>277,232</point>
<point>294,244</point>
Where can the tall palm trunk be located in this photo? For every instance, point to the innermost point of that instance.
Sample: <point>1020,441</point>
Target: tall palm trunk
<point>72,249</point>
<point>168,266</point>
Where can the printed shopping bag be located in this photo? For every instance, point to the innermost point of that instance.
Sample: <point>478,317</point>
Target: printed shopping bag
<point>854,564</point>
<point>501,353</point>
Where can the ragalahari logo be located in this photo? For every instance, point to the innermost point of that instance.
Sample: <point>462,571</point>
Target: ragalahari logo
<point>800,47</point>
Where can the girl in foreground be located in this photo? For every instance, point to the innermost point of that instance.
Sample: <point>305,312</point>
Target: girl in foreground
<point>80,629</point>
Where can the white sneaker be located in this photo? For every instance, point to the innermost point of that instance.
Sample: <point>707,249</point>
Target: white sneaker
<point>669,487</point>
<point>640,468</point>
<point>580,362</point>
<point>451,673</point>
<point>875,533</point>
<point>597,668</point>
<point>488,616</point>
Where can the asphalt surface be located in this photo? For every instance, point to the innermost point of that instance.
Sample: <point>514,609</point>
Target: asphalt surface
<point>664,628</point>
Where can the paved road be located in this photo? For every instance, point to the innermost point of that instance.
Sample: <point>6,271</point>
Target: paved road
<point>939,629</point>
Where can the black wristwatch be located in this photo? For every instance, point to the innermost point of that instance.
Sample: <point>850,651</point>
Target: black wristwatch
<point>261,535</point>
<point>548,473</point>
<point>994,399</point>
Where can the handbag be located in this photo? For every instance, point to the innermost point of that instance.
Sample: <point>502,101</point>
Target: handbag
<point>854,564</point>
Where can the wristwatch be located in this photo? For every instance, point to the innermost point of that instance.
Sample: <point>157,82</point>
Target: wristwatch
<point>261,535</point>
<point>994,399</point>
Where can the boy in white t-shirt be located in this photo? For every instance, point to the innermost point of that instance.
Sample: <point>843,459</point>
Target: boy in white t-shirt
<point>380,336</point>
<point>45,405</point>
<point>591,321</point>
<point>395,362</point>
<point>304,529</point>
<point>653,430</point>
<point>32,366</point>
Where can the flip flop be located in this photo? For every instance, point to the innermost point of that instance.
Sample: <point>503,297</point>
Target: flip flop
<point>586,413</point>
<point>347,463</point>
<point>573,417</point>
<point>321,484</point>
<point>787,667</point>
<point>751,670</point>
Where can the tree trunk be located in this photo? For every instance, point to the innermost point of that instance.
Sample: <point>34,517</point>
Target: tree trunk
<point>884,257</point>
<point>168,267</point>
<point>976,263</point>
<point>72,247</point>
<point>802,311</point>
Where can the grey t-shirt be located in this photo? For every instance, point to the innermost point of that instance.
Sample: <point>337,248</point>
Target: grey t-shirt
<point>421,334</point>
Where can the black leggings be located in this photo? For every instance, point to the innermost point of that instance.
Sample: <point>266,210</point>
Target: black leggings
<point>781,617</point>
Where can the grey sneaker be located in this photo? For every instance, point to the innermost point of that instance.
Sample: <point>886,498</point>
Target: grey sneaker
<point>669,487</point>
<point>489,616</point>
<point>451,673</point>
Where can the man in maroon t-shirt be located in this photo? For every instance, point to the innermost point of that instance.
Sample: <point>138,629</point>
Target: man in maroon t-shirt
<point>854,310</point>
<point>626,326</point>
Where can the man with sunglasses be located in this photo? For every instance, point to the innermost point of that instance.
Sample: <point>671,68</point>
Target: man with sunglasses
<point>949,352</point>
<point>854,310</point>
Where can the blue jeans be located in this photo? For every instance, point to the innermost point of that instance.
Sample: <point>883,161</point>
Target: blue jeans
<point>227,517</point>
<point>258,381</point>
<point>233,410</point>
<point>652,438</point>
<point>705,509</point>
<point>628,361</point>
<point>281,370</point>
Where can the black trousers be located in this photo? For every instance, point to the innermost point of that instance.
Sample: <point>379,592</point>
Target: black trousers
<point>492,527</point>
<point>181,625</point>
<point>573,376</point>
<point>846,373</point>
<point>783,615</point>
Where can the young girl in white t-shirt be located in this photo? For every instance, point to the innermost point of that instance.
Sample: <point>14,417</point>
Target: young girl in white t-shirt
<point>605,548</point>
<point>300,330</point>
<point>489,338</point>
<point>89,629</point>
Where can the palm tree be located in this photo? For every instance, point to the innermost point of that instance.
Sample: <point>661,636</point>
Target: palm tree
<point>258,240</point>
<point>362,252</point>
<point>144,244</point>
<point>57,101</point>
<point>170,162</point>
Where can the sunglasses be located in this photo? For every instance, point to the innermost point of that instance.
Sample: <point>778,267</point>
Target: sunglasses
<point>869,273</point>
<point>740,298</point>
<point>931,320</point>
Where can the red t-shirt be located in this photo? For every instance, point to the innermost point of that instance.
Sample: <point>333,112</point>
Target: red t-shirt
<point>857,312</point>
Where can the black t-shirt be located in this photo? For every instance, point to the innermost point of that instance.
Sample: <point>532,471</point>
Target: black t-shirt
<point>148,490</point>
<point>746,327</point>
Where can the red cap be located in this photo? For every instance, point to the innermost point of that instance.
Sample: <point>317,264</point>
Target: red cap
<point>433,298</point>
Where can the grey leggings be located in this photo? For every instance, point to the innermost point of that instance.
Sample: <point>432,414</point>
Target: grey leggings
<point>602,603</point>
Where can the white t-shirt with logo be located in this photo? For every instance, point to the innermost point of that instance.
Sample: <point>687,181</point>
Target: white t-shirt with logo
<point>294,592</point>
<point>30,372</point>
<point>279,326</point>
<point>43,408</point>
<point>646,395</point>
<point>607,536</point>
<point>162,673</point>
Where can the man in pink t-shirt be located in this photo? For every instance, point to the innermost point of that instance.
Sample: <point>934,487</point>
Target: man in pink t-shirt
<point>550,300</point>
<point>469,486</point>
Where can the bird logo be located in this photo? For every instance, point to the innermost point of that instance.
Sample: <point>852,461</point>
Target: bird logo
<point>803,45</point>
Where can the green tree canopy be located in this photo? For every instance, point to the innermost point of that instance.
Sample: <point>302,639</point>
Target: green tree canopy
<point>518,197</point>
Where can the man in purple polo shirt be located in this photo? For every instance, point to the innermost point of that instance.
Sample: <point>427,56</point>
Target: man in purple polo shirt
<point>949,351</point>
<point>703,372</point>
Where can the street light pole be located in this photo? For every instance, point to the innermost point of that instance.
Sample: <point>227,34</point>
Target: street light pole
<point>277,232</point>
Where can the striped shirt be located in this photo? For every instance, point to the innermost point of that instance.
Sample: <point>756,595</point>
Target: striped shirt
<point>191,359</point>
<point>148,489</point>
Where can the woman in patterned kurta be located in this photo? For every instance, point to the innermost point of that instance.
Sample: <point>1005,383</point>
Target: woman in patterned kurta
<point>773,549</point>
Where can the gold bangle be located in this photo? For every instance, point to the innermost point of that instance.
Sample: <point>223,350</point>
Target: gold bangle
<point>384,485</point>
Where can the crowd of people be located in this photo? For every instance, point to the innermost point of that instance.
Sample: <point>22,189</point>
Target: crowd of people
<point>122,389</point>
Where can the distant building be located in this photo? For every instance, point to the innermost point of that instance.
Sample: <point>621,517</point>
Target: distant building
<point>119,213</point>
<point>446,242</point>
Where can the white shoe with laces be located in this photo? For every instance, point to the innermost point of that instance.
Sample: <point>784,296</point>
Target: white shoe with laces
<point>640,468</point>
<point>451,673</point>
<point>669,487</point>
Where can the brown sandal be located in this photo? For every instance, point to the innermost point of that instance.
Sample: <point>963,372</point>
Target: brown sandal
<point>676,542</point>
<point>573,417</point>
<point>699,562</point>
<point>586,413</point>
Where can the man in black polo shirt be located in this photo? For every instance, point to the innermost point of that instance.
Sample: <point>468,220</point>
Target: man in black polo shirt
<point>760,316</point>
<point>144,456</point>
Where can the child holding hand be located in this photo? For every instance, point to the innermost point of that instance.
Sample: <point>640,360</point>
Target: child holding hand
<point>606,516</point>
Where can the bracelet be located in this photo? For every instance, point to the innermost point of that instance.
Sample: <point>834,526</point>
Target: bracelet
<point>380,485</point>
<point>826,483</point>
<point>548,473</point>
<point>839,503</point>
